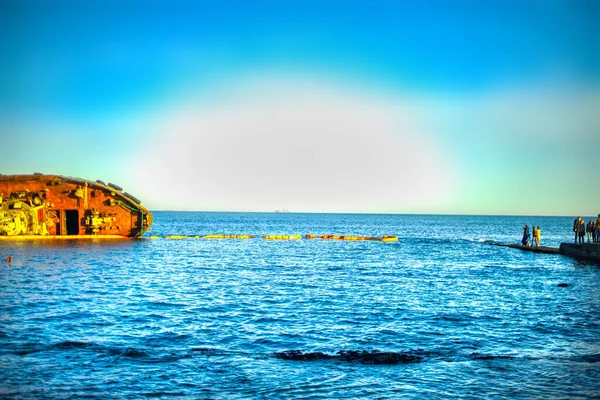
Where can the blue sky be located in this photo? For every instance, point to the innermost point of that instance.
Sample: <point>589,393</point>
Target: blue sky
<point>501,99</point>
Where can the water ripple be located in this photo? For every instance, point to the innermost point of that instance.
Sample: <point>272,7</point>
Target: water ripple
<point>440,314</point>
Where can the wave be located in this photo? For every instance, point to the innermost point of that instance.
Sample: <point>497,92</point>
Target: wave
<point>146,356</point>
<point>414,356</point>
<point>71,345</point>
<point>588,358</point>
<point>360,356</point>
<point>167,337</point>
<point>165,304</point>
<point>211,351</point>
<point>128,352</point>
<point>163,394</point>
<point>477,356</point>
<point>374,357</point>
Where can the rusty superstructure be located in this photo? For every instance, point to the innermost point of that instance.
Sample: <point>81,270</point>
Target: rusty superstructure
<point>62,207</point>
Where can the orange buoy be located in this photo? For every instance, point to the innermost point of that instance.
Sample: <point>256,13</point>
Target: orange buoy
<point>9,259</point>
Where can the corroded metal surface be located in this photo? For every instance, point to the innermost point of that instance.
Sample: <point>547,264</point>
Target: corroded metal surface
<point>52,205</point>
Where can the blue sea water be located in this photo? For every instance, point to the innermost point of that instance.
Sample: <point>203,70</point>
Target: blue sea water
<point>207,318</point>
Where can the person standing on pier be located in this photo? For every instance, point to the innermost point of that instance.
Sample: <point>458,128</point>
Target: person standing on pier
<point>536,235</point>
<point>581,230</point>
<point>589,228</point>
<point>576,228</point>
<point>525,240</point>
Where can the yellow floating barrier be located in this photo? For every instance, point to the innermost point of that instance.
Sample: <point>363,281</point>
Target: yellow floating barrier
<point>343,237</point>
<point>386,239</point>
<point>282,237</point>
<point>355,238</point>
<point>227,237</point>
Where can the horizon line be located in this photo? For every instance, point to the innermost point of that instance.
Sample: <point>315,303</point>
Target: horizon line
<point>376,213</point>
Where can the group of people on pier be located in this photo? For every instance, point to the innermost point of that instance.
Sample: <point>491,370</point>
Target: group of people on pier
<point>580,228</point>
<point>535,242</point>
<point>591,229</point>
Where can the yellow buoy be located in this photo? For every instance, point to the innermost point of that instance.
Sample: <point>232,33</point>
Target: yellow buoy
<point>355,238</point>
<point>282,237</point>
<point>227,237</point>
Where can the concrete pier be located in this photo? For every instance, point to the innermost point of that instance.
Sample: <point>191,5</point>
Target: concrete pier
<point>540,249</point>
<point>583,251</point>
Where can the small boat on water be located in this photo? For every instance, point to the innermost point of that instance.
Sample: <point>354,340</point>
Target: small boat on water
<point>42,206</point>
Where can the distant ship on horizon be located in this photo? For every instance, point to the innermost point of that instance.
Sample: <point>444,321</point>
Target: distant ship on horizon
<point>282,210</point>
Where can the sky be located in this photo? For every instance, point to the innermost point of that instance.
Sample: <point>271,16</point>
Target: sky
<point>450,107</point>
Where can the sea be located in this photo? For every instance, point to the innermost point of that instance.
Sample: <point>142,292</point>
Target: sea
<point>441,313</point>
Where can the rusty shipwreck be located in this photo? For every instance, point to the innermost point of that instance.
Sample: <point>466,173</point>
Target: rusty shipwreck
<point>42,206</point>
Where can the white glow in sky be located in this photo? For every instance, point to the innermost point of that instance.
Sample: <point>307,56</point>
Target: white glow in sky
<point>296,144</point>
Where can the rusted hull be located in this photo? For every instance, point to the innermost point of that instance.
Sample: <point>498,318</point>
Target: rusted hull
<point>56,207</point>
<point>64,237</point>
